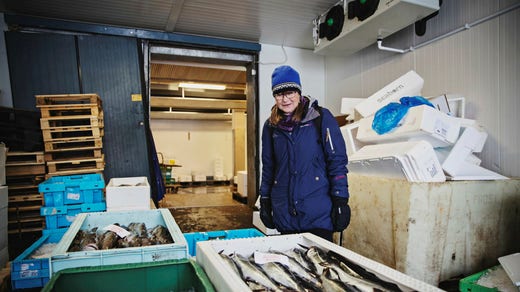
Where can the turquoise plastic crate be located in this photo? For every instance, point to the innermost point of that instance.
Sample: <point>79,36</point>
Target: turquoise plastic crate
<point>27,272</point>
<point>193,238</point>
<point>73,189</point>
<point>60,217</point>
<point>63,259</point>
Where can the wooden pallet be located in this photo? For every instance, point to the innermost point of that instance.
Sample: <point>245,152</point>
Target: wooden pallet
<point>60,133</point>
<point>24,184</point>
<point>74,154</point>
<point>65,167</point>
<point>25,225</point>
<point>74,144</point>
<point>48,111</point>
<point>23,170</point>
<point>59,99</point>
<point>35,199</point>
<point>24,213</point>
<point>61,122</point>
<point>24,158</point>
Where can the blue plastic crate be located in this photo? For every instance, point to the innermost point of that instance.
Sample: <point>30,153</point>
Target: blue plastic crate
<point>193,238</point>
<point>73,189</point>
<point>60,217</point>
<point>27,272</point>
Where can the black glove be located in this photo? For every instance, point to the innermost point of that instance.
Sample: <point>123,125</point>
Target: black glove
<point>266,212</point>
<point>340,213</point>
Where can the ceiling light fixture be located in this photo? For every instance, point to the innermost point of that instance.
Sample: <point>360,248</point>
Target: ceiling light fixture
<point>202,86</point>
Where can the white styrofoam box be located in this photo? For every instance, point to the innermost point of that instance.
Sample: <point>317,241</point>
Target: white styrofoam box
<point>185,178</point>
<point>4,257</point>
<point>242,182</point>
<point>420,123</point>
<point>348,105</point>
<point>220,178</point>
<point>4,194</point>
<point>349,133</point>
<point>459,164</point>
<point>3,157</point>
<point>218,167</point>
<point>257,222</point>
<point>410,84</point>
<point>225,279</point>
<point>128,193</point>
<point>414,160</point>
<point>198,177</point>
<point>61,258</point>
<point>431,231</point>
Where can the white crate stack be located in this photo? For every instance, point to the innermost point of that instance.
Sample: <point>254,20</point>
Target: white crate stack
<point>4,253</point>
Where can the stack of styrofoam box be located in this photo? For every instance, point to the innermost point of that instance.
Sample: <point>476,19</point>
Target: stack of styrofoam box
<point>242,183</point>
<point>67,196</point>
<point>4,253</point>
<point>198,176</point>
<point>218,170</point>
<point>399,152</point>
<point>128,193</point>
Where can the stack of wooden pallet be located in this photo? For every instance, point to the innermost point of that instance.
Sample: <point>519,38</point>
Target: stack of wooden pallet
<point>24,171</point>
<point>72,127</point>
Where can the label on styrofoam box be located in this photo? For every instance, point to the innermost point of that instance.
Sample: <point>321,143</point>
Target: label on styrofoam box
<point>410,84</point>
<point>265,257</point>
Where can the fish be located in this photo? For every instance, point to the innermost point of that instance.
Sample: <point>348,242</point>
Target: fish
<point>362,272</point>
<point>329,284</point>
<point>279,274</point>
<point>251,272</point>
<point>108,240</point>
<point>138,228</point>
<point>160,235</point>
<point>317,259</point>
<point>298,254</point>
<point>309,279</point>
<point>227,259</point>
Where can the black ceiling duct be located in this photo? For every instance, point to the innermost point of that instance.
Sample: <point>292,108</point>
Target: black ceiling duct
<point>362,9</point>
<point>333,23</point>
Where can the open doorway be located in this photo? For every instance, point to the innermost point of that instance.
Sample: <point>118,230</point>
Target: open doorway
<point>202,116</point>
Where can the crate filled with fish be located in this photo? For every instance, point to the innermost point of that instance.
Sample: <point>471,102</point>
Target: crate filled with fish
<point>123,237</point>
<point>194,237</point>
<point>296,262</point>
<point>31,269</point>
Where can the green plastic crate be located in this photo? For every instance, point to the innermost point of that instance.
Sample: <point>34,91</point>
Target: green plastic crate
<point>172,275</point>
<point>469,284</point>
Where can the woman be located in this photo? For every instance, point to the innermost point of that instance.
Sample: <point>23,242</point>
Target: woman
<point>304,163</point>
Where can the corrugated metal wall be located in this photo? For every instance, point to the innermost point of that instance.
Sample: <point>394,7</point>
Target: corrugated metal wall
<point>40,64</point>
<point>106,65</point>
<point>110,67</point>
<point>480,63</point>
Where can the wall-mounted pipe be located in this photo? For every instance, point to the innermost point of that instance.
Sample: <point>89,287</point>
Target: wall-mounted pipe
<point>464,27</point>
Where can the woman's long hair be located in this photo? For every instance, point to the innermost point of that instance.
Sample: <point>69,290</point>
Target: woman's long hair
<point>277,115</point>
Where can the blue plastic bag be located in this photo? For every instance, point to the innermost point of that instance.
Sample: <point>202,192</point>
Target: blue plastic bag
<point>389,116</point>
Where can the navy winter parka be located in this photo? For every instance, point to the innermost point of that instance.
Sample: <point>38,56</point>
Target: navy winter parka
<point>301,171</point>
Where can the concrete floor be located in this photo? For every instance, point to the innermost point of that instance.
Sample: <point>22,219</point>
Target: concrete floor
<point>207,208</point>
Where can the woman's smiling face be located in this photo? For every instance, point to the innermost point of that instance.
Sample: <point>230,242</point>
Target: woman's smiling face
<point>287,101</point>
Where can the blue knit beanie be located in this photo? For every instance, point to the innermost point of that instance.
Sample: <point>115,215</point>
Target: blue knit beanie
<point>285,78</point>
